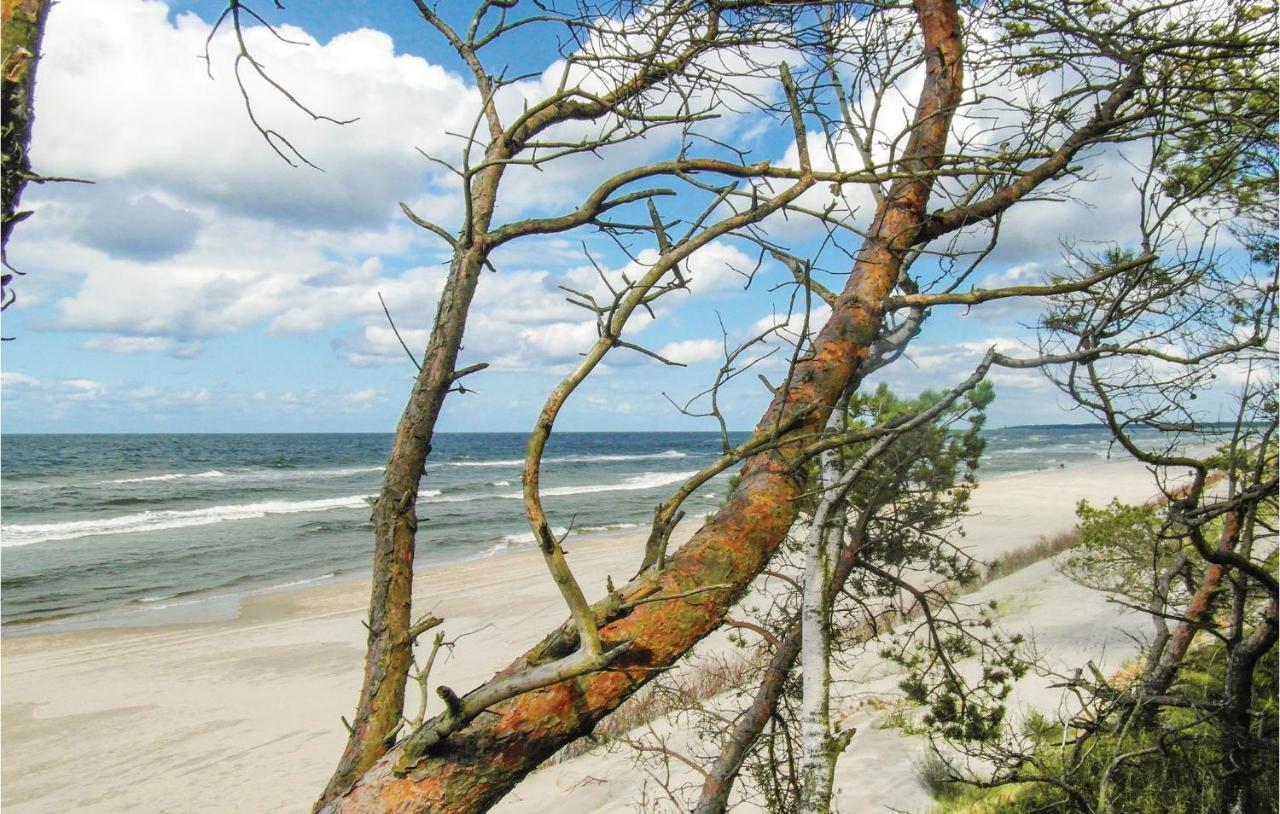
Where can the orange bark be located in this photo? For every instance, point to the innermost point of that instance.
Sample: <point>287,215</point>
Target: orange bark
<point>1200,605</point>
<point>483,761</point>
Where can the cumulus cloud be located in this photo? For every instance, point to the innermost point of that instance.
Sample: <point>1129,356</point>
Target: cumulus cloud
<point>143,344</point>
<point>144,229</point>
<point>691,351</point>
<point>172,128</point>
<point>792,326</point>
<point>193,208</point>
<point>522,319</point>
<point>14,379</point>
<point>1022,395</point>
<point>20,388</point>
<point>197,230</point>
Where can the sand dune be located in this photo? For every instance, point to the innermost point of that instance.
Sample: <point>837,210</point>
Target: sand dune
<point>241,715</point>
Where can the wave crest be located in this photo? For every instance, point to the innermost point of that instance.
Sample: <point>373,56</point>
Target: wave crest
<point>169,519</point>
<point>670,454</point>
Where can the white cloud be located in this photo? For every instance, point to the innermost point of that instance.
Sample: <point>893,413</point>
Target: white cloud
<point>521,319</point>
<point>154,117</point>
<point>194,209</point>
<point>12,378</point>
<point>558,341</point>
<point>191,395</point>
<point>691,351</point>
<point>1022,395</point>
<point>789,326</point>
<point>128,344</point>
<point>83,389</point>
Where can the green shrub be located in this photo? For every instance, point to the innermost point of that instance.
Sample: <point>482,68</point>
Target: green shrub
<point>1182,774</point>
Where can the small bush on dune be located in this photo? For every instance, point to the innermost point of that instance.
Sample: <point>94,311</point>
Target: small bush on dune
<point>1174,766</point>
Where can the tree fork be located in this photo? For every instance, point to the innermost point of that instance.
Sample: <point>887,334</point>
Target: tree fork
<point>479,764</point>
<point>389,656</point>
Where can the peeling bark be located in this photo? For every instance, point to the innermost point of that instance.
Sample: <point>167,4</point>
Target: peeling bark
<point>23,27</point>
<point>482,762</point>
<point>389,656</point>
<point>1198,609</point>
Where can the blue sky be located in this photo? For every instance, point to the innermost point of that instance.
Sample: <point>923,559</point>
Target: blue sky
<point>201,284</point>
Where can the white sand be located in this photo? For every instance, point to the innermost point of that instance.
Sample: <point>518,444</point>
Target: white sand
<point>242,715</point>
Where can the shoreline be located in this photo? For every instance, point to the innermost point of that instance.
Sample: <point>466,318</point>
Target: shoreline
<point>211,606</point>
<point>221,605</point>
<point>242,714</point>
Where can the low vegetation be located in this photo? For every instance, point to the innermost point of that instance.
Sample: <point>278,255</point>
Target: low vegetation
<point>1174,766</point>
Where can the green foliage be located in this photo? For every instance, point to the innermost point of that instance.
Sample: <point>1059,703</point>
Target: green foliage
<point>960,708</point>
<point>1182,774</point>
<point>920,484</point>
<point>1119,546</point>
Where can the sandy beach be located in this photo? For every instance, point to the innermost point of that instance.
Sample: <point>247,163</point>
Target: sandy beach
<point>242,714</point>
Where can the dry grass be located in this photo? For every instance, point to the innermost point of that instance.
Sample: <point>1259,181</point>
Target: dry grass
<point>1042,549</point>
<point>686,687</point>
<point>682,688</point>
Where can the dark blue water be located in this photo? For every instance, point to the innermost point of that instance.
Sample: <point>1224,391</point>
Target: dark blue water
<point>97,524</point>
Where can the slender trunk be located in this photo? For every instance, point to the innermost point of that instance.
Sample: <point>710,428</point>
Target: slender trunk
<point>389,654</point>
<point>1158,607</point>
<point>23,28</point>
<point>1239,742</point>
<point>747,729</point>
<point>395,521</point>
<point>818,747</point>
<point>479,764</point>
<point>818,750</point>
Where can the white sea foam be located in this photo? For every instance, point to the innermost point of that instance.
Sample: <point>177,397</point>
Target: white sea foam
<point>668,455</point>
<point>350,470</point>
<point>524,538</point>
<point>610,527</point>
<point>493,550</point>
<point>160,598</point>
<point>1041,450</point>
<point>649,480</point>
<point>295,583</point>
<point>462,498</point>
<point>501,483</point>
<point>212,473</point>
<point>251,474</point>
<point>171,519</point>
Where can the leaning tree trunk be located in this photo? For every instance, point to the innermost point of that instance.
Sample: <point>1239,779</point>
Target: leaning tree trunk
<point>479,764</point>
<point>23,26</point>
<point>1161,675</point>
<point>1243,758</point>
<point>389,656</point>
<point>740,741</point>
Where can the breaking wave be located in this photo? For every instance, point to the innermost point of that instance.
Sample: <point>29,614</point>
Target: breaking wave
<point>11,536</point>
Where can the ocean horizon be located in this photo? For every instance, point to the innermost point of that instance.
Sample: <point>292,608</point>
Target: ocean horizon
<point>112,529</point>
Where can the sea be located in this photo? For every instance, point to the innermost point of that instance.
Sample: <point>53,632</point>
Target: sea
<point>120,530</point>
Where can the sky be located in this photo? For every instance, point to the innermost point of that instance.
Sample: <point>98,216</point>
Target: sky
<point>201,284</point>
